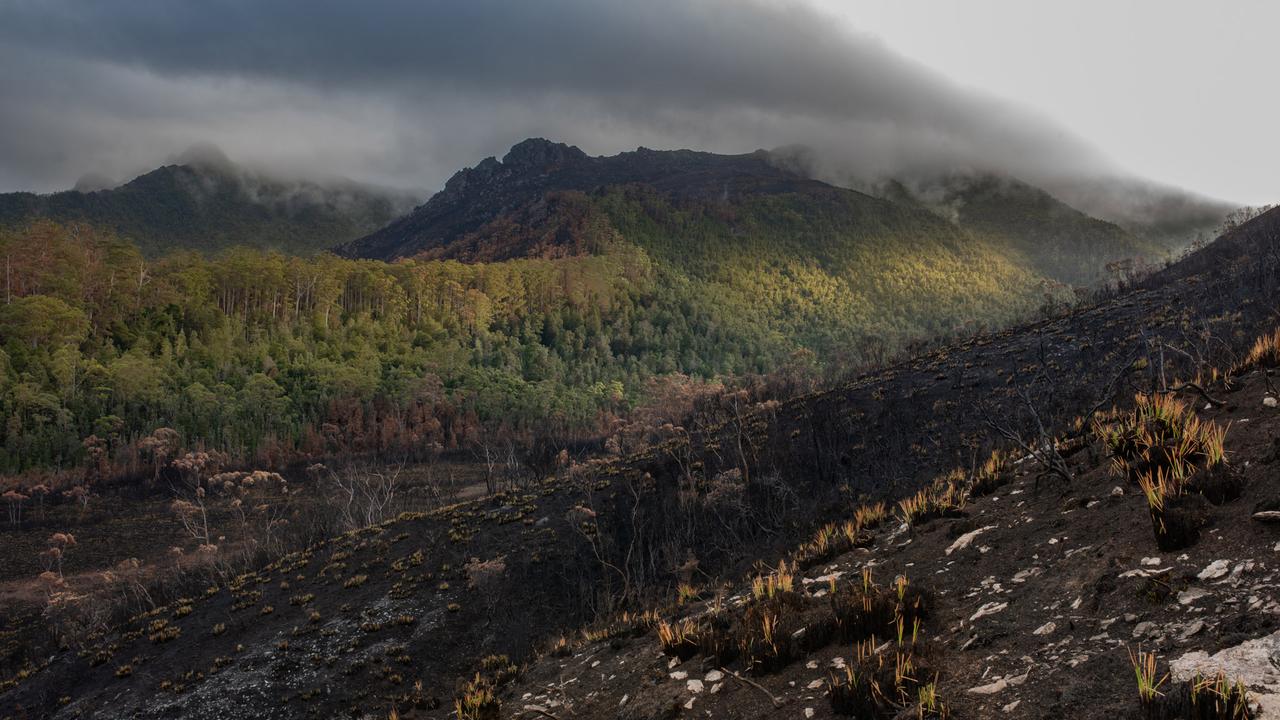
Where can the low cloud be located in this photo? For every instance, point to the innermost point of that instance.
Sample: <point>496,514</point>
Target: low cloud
<point>404,93</point>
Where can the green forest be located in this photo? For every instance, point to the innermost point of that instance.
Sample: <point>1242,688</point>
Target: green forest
<point>269,357</point>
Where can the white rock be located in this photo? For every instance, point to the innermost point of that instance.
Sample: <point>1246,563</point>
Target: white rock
<point>1215,570</point>
<point>1191,629</point>
<point>689,705</point>
<point>1250,662</point>
<point>1022,575</point>
<point>1046,628</point>
<point>808,712</point>
<point>679,675</point>
<point>1117,491</point>
<point>1270,402</point>
<point>1001,684</point>
<point>694,686</point>
<point>1190,595</point>
<point>714,676</point>
<point>966,539</point>
<point>624,700</point>
<point>1150,561</point>
<point>1012,706</point>
<point>814,684</point>
<point>1143,628</point>
<point>990,608</point>
<point>716,688</point>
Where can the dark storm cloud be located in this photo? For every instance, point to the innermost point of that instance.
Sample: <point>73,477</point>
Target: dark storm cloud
<point>406,92</point>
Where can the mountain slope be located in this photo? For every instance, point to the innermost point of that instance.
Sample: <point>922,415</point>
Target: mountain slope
<point>781,259</point>
<point>1051,237</point>
<point>208,206</point>
<point>350,625</point>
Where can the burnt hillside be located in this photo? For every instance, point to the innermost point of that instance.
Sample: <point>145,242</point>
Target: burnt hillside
<point>349,626</point>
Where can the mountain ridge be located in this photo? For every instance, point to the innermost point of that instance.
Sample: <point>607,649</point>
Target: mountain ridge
<point>483,210</point>
<point>199,204</point>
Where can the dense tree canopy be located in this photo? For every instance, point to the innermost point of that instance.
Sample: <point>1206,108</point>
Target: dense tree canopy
<point>258,353</point>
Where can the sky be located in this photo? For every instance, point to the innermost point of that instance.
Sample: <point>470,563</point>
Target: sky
<point>405,92</point>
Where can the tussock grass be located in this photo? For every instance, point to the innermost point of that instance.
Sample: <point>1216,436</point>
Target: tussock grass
<point>1202,697</point>
<point>1172,455</point>
<point>1264,353</point>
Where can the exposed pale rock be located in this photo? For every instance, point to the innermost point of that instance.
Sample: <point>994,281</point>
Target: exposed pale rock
<point>713,676</point>
<point>990,608</point>
<point>999,685</point>
<point>1252,662</point>
<point>1270,402</point>
<point>1046,628</point>
<point>1190,595</point>
<point>966,539</point>
<point>1143,628</point>
<point>694,686</point>
<point>1215,570</point>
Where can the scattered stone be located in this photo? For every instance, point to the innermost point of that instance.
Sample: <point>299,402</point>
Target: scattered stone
<point>1150,561</point>
<point>1267,516</point>
<point>990,608</point>
<point>1130,618</point>
<point>1117,491</point>
<point>1190,595</point>
<point>679,675</point>
<point>808,712</point>
<point>694,686</point>
<point>1190,629</point>
<point>966,539</point>
<point>1012,706</point>
<point>1046,628</point>
<point>1270,402</point>
<point>814,685</point>
<point>995,687</point>
<point>1215,570</point>
<point>717,676</point>
<point>1143,628</point>
<point>1022,575</point>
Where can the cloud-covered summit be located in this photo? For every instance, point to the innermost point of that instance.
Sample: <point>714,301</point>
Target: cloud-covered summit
<point>404,93</point>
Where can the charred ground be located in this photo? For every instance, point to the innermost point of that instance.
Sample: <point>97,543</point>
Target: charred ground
<point>351,625</point>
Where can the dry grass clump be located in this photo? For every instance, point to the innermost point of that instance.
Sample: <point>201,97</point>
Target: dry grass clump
<point>832,540</point>
<point>1161,432</point>
<point>863,609</point>
<point>893,683</point>
<point>1202,697</point>
<point>679,639</point>
<point>478,700</point>
<point>1177,460</point>
<point>1264,353</point>
<point>884,680</point>
<point>990,476</point>
<point>780,581</point>
<point>944,497</point>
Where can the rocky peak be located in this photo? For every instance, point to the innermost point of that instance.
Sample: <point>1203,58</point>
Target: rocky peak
<point>541,154</point>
